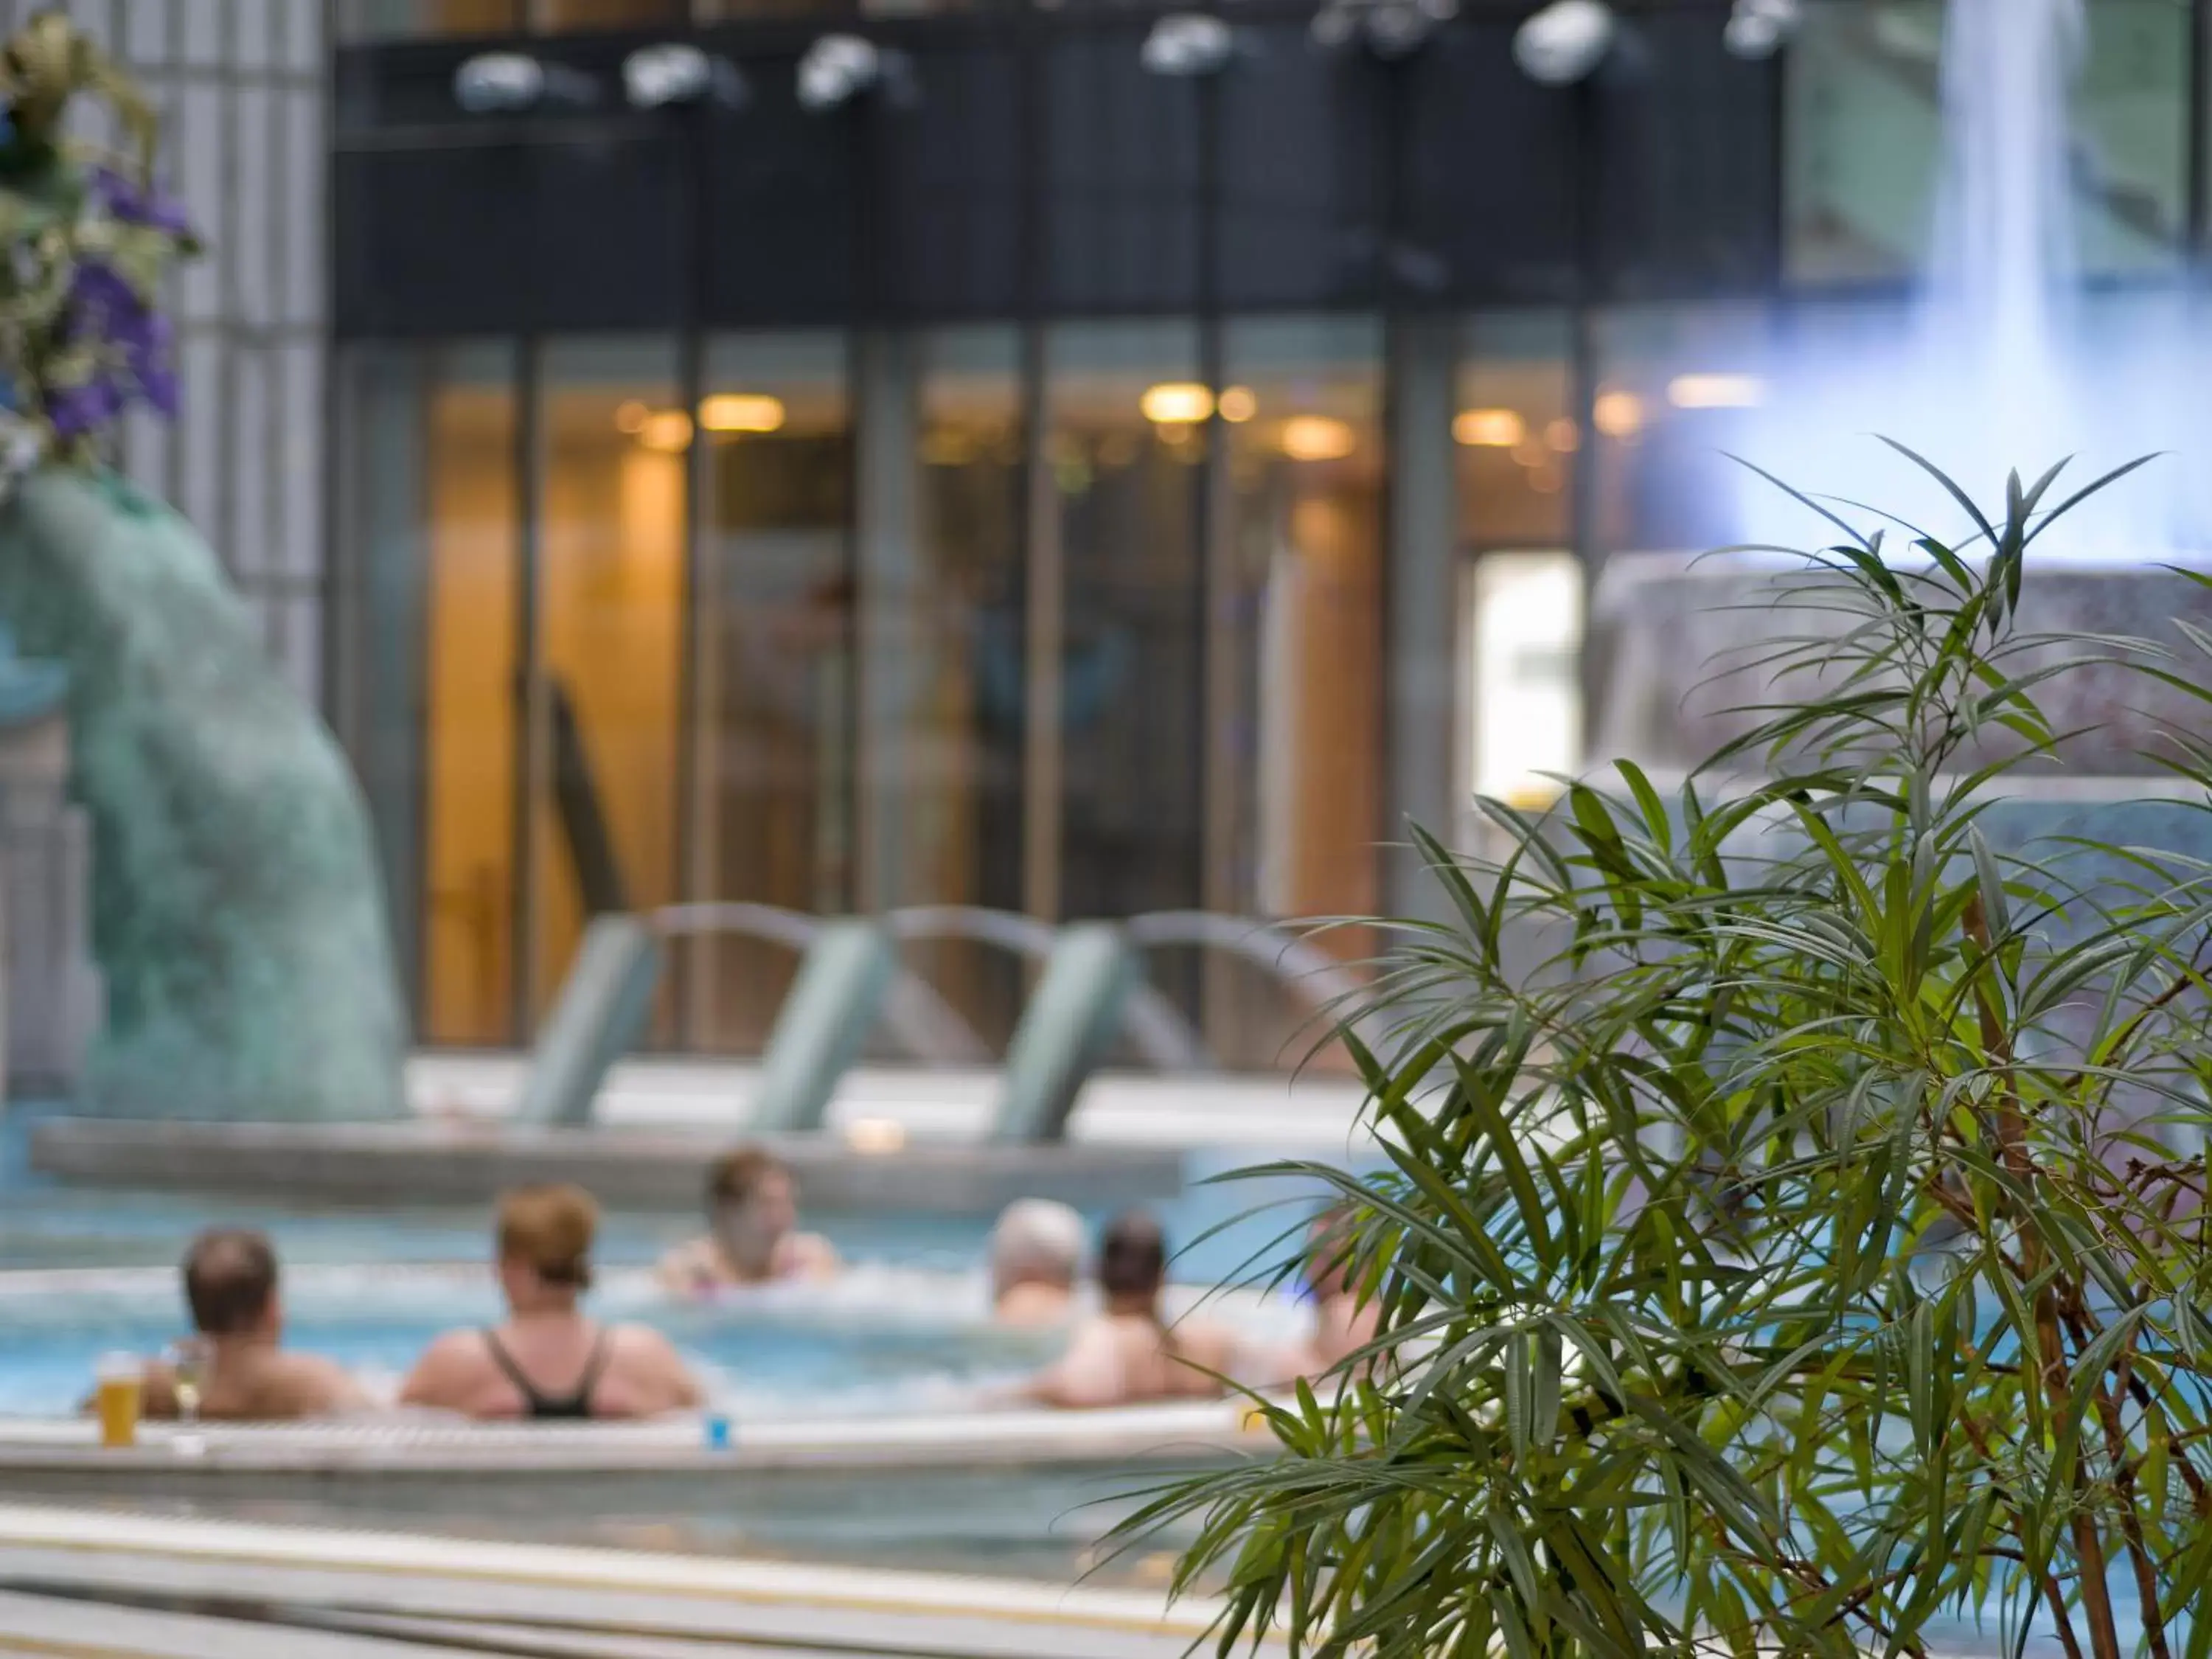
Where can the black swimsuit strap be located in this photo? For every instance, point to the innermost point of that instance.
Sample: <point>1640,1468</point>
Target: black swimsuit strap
<point>536,1402</point>
<point>595,1364</point>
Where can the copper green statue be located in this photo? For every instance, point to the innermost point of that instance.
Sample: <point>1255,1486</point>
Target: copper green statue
<point>237,911</point>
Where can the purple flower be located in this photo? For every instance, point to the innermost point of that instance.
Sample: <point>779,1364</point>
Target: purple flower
<point>131,343</point>
<point>126,200</point>
<point>75,411</point>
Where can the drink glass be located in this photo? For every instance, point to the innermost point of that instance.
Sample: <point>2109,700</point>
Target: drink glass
<point>121,1379</point>
<point>189,1361</point>
<point>188,1364</point>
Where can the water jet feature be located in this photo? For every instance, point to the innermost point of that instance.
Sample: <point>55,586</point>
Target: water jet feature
<point>2003,363</point>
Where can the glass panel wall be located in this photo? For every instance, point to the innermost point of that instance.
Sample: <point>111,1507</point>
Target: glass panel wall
<point>1295,814</point>
<point>561,16</point>
<point>1126,446</point>
<point>1679,388</point>
<point>1525,630</point>
<point>1303,410</point>
<point>773,714</point>
<point>612,439</point>
<point>373,20</point>
<point>430,510</point>
<point>1519,440</point>
<point>1515,431</point>
<point>370,20</point>
<point>942,659</point>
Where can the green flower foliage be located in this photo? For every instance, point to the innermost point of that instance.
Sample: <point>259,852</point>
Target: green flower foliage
<point>1794,1232</point>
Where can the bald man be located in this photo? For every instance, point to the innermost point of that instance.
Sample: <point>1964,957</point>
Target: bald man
<point>1035,1253</point>
<point>231,1285</point>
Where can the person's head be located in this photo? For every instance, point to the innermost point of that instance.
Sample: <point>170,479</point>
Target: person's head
<point>1035,1242</point>
<point>545,1245</point>
<point>753,1203</point>
<point>1132,1260</point>
<point>230,1284</point>
<point>1330,1243</point>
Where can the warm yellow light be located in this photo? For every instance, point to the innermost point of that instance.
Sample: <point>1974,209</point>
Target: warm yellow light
<point>630,416</point>
<point>1717,391</point>
<point>1183,403</point>
<point>1564,435</point>
<point>741,411</point>
<point>1317,438</point>
<point>668,430</point>
<point>1618,414</point>
<point>1238,403</point>
<point>876,1135</point>
<point>1489,428</point>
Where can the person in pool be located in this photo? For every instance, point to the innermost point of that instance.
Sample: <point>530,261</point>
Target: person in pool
<point>1036,1252</point>
<point>1345,1321</point>
<point>248,1375</point>
<point>752,1234</point>
<point>1126,1353</point>
<point>548,1361</point>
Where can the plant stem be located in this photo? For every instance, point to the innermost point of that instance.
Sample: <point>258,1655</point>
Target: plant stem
<point>2011,1125</point>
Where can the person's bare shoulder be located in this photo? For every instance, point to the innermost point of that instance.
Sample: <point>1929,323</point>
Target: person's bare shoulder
<point>689,1267</point>
<point>1091,1374</point>
<point>1208,1347</point>
<point>321,1387</point>
<point>810,1255</point>
<point>652,1362</point>
<point>446,1366</point>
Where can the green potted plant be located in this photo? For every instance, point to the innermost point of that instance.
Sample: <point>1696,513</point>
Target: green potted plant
<point>1793,1233</point>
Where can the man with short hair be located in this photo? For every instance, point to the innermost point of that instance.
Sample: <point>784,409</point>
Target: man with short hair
<point>231,1285</point>
<point>1036,1252</point>
<point>1127,1353</point>
<point>752,1230</point>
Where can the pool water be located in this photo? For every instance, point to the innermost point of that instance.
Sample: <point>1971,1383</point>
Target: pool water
<point>879,1339</point>
<point>906,1328</point>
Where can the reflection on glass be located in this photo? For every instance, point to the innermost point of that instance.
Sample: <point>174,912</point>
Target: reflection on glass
<point>1125,449</point>
<point>610,632</point>
<point>1527,636</point>
<point>369,20</point>
<point>946,654</point>
<point>773,718</point>
<point>562,16</point>
<point>732,11</point>
<point>1514,431</point>
<point>1863,138</point>
<point>2130,125</point>
<point>1301,404</point>
<point>1679,389</point>
<point>433,549</point>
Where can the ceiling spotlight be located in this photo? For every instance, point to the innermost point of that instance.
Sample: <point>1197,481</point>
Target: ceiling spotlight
<point>1389,28</point>
<point>1565,42</point>
<point>839,67</point>
<point>1187,43</point>
<point>674,73</point>
<point>504,83</point>
<point>1759,29</point>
